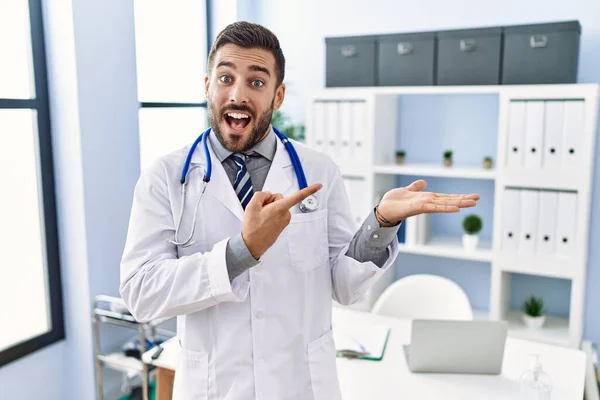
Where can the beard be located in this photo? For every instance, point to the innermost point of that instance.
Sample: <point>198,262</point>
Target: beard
<point>240,143</point>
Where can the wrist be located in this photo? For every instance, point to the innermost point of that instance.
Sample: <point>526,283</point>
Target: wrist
<point>384,222</point>
<point>254,252</point>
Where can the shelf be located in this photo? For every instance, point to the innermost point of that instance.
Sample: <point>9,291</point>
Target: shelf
<point>541,179</point>
<point>450,247</point>
<point>533,91</point>
<point>120,362</point>
<point>436,170</point>
<point>555,329</point>
<point>553,266</point>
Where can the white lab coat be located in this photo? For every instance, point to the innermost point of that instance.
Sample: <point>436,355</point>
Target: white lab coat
<point>267,335</point>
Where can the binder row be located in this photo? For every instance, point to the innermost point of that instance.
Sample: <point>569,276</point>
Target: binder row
<point>539,221</point>
<point>544,134</point>
<point>339,129</point>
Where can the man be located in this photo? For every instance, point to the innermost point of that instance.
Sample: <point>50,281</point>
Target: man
<point>254,295</point>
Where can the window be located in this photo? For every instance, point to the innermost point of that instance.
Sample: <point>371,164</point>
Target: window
<point>30,290</point>
<point>172,44</point>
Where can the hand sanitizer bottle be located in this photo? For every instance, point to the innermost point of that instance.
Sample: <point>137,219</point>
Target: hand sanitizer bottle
<point>535,383</point>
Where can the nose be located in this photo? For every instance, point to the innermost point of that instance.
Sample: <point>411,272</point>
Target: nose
<point>239,93</point>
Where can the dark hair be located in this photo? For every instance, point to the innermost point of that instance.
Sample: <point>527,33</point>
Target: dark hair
<point>249,35</point>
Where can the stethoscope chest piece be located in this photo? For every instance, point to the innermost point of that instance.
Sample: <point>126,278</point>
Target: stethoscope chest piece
<point>309,204</point>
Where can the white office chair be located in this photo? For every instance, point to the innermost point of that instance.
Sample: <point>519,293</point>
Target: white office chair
<point>424,297</point>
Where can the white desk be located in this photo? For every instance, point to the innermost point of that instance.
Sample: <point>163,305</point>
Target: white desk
<point>390,379</point>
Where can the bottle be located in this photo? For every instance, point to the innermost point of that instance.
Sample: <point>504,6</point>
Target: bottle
<point>535,383</point>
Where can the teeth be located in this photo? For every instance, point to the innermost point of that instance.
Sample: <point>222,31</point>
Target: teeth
<point>238,115</point>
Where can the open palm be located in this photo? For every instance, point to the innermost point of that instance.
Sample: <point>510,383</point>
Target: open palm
<point>404,202</point>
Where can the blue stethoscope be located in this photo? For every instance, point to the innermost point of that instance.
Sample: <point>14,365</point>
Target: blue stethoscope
<point>307,205</point>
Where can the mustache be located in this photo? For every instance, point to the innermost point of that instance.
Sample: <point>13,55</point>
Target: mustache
<point>240,108</point>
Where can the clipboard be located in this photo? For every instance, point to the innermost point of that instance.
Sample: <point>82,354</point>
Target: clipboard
<point>371,340</point>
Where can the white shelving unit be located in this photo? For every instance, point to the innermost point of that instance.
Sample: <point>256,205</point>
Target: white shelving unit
<point>553,128</point>
<point>435,170</point>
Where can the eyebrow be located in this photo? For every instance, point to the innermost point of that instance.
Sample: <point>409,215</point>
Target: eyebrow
<point>253,67</point>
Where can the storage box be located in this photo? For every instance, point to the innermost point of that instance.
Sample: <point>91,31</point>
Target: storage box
<point>350,61</point>
<point>406,59</point>
<point>469,57</point>
<point>541,53</point>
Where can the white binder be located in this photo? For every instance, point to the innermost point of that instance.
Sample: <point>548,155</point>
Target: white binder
<point>423,228</point>
<point>510,220</point>
<point>319,125</point>
<point>553,127</point>
<point>332,125</point>
<point>548,215</point>
<point>516,134</point>
<point>565,224</point>
<point>534,134</point>
<point>359,126</point>
<point>411,235</point>
<point>572,133</point>
<point>528,226</point>
<point>345,131</point>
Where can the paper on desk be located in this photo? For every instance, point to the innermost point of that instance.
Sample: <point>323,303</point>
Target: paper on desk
<point>371,339</point>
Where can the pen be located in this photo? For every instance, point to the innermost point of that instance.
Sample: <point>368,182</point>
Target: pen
<point>362,348</point>
<point>157,352</point>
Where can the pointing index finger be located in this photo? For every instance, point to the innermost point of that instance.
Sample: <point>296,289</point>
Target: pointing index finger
<point>295,198</point>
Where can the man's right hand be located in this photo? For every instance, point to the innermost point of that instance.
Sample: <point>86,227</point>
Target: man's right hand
<point>266,217</point>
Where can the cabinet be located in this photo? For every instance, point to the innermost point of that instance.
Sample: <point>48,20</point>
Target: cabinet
<point>540,186</point>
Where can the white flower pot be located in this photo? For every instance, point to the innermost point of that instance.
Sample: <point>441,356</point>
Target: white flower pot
<point>470,242</point>
<point>534,322</point>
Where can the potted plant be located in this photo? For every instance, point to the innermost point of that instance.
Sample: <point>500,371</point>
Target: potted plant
<point>472,226</point>
<point>488,162</point>
<point>448,158</point>
<point>533,312</point>
<point>284,124</point>
<point>400,157</point>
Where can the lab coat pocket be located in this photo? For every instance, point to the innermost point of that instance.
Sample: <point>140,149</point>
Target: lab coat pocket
<point>191,376</point>
<point>307,240</point>
<point>323,369</point>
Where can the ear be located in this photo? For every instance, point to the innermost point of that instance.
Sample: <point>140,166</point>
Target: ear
<point>279,95</point>
<point>206,81</point>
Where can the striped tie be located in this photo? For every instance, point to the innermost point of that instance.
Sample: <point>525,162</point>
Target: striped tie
<point>242,184</point>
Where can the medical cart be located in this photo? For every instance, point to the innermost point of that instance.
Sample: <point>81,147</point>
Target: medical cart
<point>112,310</point>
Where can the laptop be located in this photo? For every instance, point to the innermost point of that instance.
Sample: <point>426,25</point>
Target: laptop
<point>456,346</point>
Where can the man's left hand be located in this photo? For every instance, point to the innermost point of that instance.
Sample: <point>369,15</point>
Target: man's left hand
<point>401,203</point>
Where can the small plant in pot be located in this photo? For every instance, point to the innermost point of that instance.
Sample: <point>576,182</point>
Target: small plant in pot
<point>400,157</point>
<point>533,312</point>
<point>448,158</point>
<point>488,163</point>
<point>472,226</point>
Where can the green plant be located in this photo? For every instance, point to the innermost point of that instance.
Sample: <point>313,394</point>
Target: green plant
<point>282,122</point>
<point>487,159</point>
<point>472,224</point>
<point>400,153</point>
<point>448,154</point>
<point>533,306</point>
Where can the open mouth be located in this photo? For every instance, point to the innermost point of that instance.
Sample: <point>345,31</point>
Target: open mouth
<point>237,121</point>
